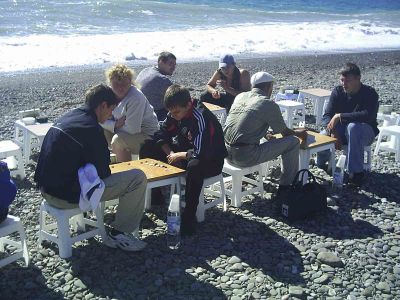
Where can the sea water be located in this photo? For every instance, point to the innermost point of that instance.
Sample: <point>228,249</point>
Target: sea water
<point>49,33</point>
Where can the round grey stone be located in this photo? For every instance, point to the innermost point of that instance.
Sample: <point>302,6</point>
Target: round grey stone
<point>296,291</point>
<point>78,283</point>
<point>330,259</point>
<point>237,267</point>
<point>368,291</point>
<point>322,279</point>
<point>234,259</point>
<point>68,277</point>
<point>383,286</point>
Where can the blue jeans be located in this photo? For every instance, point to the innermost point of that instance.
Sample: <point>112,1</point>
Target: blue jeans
<point>356,136</point>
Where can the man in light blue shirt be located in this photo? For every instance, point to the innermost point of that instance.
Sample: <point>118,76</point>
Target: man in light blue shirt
<point>154,81</point>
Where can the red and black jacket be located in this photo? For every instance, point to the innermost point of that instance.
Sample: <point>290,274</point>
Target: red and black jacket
<point>199,133</point>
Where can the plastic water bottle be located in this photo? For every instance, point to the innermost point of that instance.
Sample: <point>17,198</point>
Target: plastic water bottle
<point>174,223</point>
<point>337,183</point>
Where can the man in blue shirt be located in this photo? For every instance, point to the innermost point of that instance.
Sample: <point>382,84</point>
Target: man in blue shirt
<point>154,81</point>
<point>350,116</point>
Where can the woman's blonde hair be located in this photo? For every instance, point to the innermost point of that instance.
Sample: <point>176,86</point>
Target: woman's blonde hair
<point>120,72</point>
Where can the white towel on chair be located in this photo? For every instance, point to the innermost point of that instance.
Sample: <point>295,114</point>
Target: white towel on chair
<point>88,180</point>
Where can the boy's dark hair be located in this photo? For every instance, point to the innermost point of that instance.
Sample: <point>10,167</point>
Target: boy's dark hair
<point>98,94</point>
<point>165,56</point>
<point>350,69</point>
<point>176,95</point>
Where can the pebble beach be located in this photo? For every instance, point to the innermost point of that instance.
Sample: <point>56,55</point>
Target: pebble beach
<point>352,251</point>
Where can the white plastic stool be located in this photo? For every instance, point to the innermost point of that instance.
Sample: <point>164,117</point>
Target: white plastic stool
<point>209,186</point>
<point>63,238</point>
<point>393,145</point>
<point>10,150</point>
<point>367,157</point>
<point>238,176</point>
<point>294,112</point>
<point>10,225</point>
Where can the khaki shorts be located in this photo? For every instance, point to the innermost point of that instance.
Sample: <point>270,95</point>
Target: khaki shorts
<point>130,142</point>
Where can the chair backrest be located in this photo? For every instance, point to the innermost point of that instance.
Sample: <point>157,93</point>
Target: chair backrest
<point>35,112</point>
<point>397,121</point>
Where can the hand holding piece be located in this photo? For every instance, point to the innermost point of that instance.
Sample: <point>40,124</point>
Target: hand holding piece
<point>223,84</point>
<point>216,94</point>
<point>332,123</point>
<point>175,158</point>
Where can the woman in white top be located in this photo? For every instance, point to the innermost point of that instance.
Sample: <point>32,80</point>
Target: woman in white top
<point>133,120</point>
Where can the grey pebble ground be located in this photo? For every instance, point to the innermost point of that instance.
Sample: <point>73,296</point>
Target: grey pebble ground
<point>350,252</point>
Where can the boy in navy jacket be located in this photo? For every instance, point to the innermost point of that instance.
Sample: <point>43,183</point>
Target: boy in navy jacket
<point>190,137</point>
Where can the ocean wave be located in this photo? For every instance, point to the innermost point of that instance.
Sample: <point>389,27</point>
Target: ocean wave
<point>147,12</point>
<point>41,51</point>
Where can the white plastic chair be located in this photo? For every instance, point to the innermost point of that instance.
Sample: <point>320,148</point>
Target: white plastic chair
<point>392,132</point>
<point>10,225</point>
<point>63,237</point>
<point>209,186</point>
<point>238,176</point>
<point>10,151</point>
<point>213,186</point>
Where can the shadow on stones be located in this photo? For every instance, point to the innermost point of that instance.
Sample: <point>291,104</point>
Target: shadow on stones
<point>383,185</point>
<point>336,223</point>
<point>195,270</point>
<point>19,282</point>
<point>155,273</point>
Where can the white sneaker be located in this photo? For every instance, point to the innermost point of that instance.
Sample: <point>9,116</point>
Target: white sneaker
<point>125,242</point>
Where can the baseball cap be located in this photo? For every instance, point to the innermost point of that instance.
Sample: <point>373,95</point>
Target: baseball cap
<point>261,77</point>
<point>226,60</point>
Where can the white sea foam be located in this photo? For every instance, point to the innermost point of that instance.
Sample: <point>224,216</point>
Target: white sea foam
<point>42,51</point>
<point>147,12</point>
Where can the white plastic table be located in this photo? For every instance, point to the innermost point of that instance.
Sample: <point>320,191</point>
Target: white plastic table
<point>321,143</point>
<point>218,111</point>
<point>26,134</point>
<point>286,96</point>
<point>318,96</point>
<point>291,107</point>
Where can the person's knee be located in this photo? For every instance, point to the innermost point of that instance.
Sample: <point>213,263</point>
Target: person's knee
<point>118,143</point>
<point>193,166</point>
<point>138,176</point>
<point>193,170</point>
<point>353,128</point>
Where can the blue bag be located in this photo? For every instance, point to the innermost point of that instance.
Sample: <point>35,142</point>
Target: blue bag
<point>8,190</point>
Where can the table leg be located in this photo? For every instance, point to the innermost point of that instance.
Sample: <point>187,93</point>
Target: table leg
<point>318,111</point>
<point>304,160</point>
<point>290,117</point>
<point>27,146</point>
<point>332,163</point>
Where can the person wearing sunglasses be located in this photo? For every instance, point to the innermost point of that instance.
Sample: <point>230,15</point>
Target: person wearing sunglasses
<point>226,83</point>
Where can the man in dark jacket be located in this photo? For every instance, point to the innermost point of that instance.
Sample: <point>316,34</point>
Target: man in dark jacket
<point>190,137</point>
<point>350,116</point>
<point>77,139</point>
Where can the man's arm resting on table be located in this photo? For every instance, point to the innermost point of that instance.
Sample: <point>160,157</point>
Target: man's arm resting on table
<point>300,133</point>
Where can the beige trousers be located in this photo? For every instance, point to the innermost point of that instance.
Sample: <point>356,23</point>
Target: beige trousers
<point>131,142</point>
<point>129,187</point>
